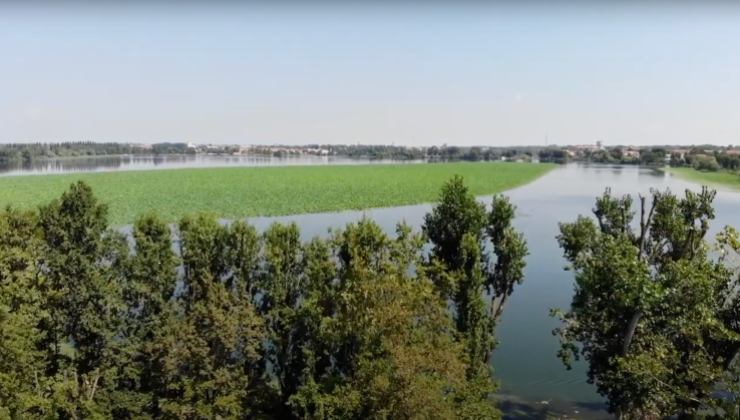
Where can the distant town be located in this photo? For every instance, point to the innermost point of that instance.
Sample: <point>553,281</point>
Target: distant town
<point>708,157</point>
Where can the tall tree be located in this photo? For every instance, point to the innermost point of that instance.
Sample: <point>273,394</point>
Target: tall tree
<point>23,383</point>
<point>460,231</point>
<point>282,286</point>
<point>83,300</point>
<point>150,277</point>
<point>207,346</point>
<point>653,310</point>
<point>394,347</point>
<point>476,260</point>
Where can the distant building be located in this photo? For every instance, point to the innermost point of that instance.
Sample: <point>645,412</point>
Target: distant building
<point>631,152</point>
<point>680,153</point>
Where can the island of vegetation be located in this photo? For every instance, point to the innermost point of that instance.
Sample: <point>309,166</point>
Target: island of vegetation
<point>234,193</point>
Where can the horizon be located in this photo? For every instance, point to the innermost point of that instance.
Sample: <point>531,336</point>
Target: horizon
<point>421,146</point>
<point>409,75</point>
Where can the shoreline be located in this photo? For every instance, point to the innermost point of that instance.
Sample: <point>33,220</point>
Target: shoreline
<point>720,178</point>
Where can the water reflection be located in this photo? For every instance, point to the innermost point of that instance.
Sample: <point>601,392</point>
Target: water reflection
<point>147,162</point>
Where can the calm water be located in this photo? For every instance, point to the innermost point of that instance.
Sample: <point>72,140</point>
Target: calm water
<point>146,162</point>
<point>532,378</point>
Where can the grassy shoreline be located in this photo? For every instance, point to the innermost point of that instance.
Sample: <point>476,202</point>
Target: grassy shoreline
<point>237,192</point>
<point>719,178</point>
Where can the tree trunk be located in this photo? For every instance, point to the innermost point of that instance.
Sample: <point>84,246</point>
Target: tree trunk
<point>630,332</point>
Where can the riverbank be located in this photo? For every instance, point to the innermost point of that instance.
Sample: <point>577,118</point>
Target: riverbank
<point>238,192</point>
<point>720,178</point>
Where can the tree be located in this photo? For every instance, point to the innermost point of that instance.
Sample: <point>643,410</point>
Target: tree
<point>463,273</point>
<point>95,324</point>
<point>83,301</point>
<point>458,227</point>
<point>653,313</point>
<point>654,156</point>
<point>282,288</point>
<point>23,382</point>
<point>393,344</point>
<point>206,348</point>
<point>150,277</point>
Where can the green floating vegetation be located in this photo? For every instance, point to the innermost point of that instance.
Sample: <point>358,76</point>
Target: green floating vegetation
<point>237,192</point>
<point>719,178</point>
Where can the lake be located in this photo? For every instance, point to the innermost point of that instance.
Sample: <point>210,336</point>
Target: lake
<point>149,162</point>
<point>532,378</point>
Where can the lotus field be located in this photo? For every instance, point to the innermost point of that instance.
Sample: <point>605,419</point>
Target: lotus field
<point>267,191</point>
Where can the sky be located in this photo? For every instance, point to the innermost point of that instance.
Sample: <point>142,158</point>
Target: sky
<point>410,74</point>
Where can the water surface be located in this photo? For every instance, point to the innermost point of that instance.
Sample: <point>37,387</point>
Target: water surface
<point>148,162</point>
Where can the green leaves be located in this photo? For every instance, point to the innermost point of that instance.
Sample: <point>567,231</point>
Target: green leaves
<point>457,214</point>
<point>651,311</point>
<point>94,324</point>
<point>460,228</point>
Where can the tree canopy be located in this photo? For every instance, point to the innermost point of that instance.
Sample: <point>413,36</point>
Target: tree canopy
<point>655,310</point>
<point>212,320</point>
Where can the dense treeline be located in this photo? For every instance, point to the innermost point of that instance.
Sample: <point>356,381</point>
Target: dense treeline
<point>612,155</point>
<point>475,153</point>
<point>206,320</point>
<point>27,152</point>
<point>712,158</point>
<point>233,323</point>
<point>376,151</point>
<point>713,161</point>
<point>442,153</point>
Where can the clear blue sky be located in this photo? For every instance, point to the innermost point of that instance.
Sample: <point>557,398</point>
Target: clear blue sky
<point>469,74</point>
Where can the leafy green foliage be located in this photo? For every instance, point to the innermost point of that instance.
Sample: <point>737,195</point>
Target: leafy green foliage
<point>21,309</point>
<point>653,313</point>
<point>459,227</point>
<point>83,300</point>
<point>231,323</point>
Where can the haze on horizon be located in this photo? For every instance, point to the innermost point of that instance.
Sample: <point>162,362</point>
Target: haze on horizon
<point>411,74</point>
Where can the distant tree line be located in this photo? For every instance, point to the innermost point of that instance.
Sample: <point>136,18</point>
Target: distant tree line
<point>442,153</point>
<point>376,151</point>
<point>475,153</point>
<point>434,153</point>
<point>707,158</point>
<point>242,324</point>
<point>26,152</point>
<point>613,155</point>
<point>704,160</point>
